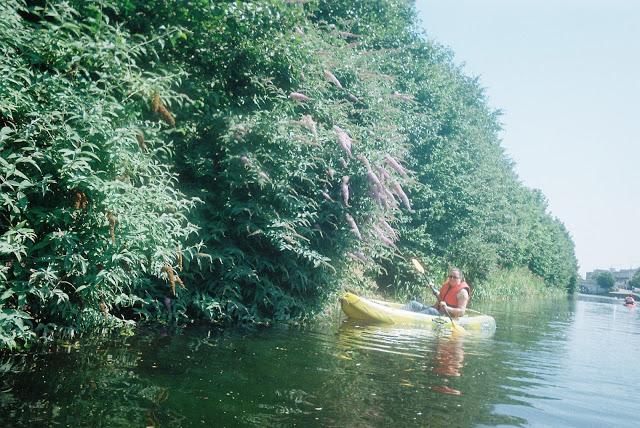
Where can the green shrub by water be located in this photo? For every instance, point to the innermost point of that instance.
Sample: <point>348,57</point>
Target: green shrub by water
<point>90,209</point>
<point>175,162</point>
<point>513,284</point>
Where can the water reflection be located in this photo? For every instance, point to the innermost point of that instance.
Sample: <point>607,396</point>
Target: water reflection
<point>443,351</point>
<point>449,358</point>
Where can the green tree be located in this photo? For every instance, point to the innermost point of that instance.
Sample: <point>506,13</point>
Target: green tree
<point>635,280</point>
<point>605,279</point>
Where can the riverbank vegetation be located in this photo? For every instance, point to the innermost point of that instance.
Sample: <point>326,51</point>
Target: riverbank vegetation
<point>242,162</point>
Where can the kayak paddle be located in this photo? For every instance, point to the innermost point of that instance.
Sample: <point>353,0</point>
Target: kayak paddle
<point>420,269</point>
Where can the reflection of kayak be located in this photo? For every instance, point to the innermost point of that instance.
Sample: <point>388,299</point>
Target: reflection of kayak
<point>630,305</point>
<point>375,311</point>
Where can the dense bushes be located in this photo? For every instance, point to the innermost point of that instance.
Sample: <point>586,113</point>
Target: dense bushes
<point>90,211</point>
<point>251,152</point>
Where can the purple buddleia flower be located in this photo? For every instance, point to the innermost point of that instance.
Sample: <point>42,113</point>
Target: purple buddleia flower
<point>331,78</point>
<point>297,96</point>
<point>343,139</point>
<point>396,165</point>
<point>403,196</point>
<point>353,225</point>
<point>345,190</point>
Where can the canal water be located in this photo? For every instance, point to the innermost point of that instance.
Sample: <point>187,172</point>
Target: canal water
<point>568,362</point>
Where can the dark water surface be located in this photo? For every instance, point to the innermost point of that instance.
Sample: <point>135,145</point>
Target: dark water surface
<point>550,363</point>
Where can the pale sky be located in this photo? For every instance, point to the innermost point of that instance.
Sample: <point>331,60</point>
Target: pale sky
<point>566,74</point>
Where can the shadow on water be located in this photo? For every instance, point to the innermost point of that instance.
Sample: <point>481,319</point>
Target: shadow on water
<point>531,372</point>
<point>94,384</point>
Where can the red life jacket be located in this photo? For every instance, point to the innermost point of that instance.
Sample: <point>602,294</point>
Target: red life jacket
<point>448,294</point>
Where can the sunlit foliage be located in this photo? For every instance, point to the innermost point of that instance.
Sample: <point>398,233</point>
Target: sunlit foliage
<point>243,161</point>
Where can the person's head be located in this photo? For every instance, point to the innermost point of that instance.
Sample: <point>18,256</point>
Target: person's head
<point>455,276</point>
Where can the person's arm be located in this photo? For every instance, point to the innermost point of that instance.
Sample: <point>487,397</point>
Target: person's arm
<point>463,300</point>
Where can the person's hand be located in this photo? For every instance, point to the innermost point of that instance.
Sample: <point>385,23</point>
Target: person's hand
<point>442,306</point>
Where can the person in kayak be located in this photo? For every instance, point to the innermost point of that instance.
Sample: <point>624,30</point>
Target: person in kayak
<point>629,300</point>
<point>453,297</point>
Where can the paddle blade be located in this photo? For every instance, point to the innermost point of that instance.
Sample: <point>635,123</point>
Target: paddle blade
<point>417,265</point>
<point>457,328</point>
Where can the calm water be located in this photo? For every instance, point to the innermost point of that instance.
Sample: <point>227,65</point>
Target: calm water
<point>550,363</point>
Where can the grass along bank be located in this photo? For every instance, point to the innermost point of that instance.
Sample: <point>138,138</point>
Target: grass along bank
<point>507,284</point>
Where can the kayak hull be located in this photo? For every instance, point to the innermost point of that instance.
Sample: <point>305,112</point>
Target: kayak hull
<point>379,312</point>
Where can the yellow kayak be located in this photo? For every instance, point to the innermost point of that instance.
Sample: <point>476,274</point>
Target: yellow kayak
<point>376,311</point>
